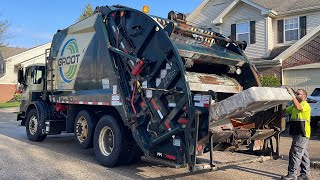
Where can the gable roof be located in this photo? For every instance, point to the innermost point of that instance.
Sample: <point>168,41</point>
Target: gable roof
<point>300,43</point>
<point>207,11</point>
<point>11,51</point>
<point>32,57</point>
<point>288,6</point>
<point>234,4</point>
<point>272,7</point>
<point>198,9</point>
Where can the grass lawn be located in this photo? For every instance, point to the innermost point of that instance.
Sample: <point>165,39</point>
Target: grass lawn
<point>9,104</point>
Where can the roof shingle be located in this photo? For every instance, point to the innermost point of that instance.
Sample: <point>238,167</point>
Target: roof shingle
<point>11,51</point>
<point>285,6</point>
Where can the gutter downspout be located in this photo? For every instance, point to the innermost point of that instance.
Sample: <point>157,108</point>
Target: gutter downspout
<point>282,78</point>
<point>267,37</point>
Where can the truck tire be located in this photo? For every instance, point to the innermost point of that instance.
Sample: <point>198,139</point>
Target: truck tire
<point>109,141</point>
<point>33,128</point>
<point>83,129</point>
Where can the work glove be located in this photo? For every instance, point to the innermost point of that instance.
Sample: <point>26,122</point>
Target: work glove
<point>291,92</point>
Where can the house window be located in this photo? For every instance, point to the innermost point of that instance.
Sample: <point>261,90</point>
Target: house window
<point>291,29</point>
<point>243,32</point>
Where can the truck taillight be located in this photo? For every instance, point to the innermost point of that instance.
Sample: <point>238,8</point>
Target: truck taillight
<point>60,107</point>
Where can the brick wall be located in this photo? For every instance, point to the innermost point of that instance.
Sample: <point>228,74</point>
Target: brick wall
<point>6,92</point>
<point>308,54</point>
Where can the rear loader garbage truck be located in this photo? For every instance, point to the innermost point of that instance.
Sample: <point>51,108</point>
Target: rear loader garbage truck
<point>134,86</point>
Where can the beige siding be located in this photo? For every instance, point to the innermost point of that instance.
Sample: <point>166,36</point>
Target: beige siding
<point>275,31</point>
<point>242,13</point>
<point>306,79</point>
<point>34,55</point>
<point>212,10</point>
<point>270,33</point>
<point>313,21</point>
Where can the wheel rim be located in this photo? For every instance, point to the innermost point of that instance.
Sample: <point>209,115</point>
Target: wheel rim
<point>82,129</point>
<point>33,125</point>
<point>106,141</point>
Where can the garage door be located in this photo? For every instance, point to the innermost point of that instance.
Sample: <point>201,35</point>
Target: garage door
<point>306,79</point>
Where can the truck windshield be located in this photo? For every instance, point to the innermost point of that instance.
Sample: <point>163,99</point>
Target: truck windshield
<point>316,92</point>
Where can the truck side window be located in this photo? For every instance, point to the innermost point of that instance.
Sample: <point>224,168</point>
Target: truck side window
<point>37,77</point>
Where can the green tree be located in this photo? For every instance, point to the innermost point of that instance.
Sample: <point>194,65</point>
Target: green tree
<point>87,11</point>
<point>269,81</point>
<point>3,32</point>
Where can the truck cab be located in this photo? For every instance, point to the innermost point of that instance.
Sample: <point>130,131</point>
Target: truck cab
<point>31,79</point>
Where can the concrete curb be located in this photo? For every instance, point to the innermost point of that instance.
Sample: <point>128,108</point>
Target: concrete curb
<point>10,109</point>
<point>315,164</point>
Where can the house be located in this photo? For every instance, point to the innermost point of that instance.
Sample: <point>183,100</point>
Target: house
<point>6,52</point>
<point>283,36</point>
<point>11,64</point>
<point>7,90</point>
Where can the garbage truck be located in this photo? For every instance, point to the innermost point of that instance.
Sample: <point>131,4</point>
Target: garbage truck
<point>134,86</point>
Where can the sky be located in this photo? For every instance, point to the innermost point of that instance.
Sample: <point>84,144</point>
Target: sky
<point>34,22</point>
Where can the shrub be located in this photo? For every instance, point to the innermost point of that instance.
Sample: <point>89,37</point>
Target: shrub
<point>269,81</point>
<point>17,97</point>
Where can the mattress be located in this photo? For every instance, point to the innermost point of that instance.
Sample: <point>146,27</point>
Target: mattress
<point>248,103</point>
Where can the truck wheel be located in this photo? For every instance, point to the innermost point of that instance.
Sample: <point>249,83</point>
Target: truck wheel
<point>83,129</point>
<point>108,141</point>
<point>33,127</point>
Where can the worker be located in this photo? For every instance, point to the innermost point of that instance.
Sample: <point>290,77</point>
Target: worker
<point>300,131</point>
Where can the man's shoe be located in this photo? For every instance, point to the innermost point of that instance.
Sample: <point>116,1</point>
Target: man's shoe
<point>301,177</point>
<point>289,177</point>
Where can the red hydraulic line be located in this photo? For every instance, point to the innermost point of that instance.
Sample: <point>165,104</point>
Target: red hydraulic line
<point>132,97</point>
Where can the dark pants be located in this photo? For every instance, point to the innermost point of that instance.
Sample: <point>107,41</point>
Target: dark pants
<point>299,156</point>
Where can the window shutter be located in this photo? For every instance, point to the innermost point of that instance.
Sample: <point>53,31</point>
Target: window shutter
<point>252,32</point>
<point>303,26</point>
<point>280,31</point>
<point>233,31</point>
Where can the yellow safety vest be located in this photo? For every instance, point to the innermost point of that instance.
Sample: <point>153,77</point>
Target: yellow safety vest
<point>300,120</point>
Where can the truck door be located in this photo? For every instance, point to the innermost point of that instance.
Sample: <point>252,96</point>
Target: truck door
<point>32,86</point>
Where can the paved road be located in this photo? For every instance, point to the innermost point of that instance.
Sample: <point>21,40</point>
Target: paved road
<point>58,157</point>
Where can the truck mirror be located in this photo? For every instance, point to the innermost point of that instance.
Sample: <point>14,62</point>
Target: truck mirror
<point>20,75</point>
<point>243,45</point>
<point>169,28</point>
